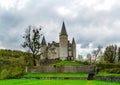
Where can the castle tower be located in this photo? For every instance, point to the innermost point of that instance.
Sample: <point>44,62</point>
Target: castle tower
<point>74,49</point>
<point>43,49</point>
<point>63,43</point>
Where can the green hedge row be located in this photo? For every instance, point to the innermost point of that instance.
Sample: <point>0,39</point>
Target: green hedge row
<point>114,70</point>
<point>109,67</point>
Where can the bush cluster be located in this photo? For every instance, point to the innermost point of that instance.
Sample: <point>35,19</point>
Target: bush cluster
<point>109,67</point>
<point>11,68</point>
<point>15,72</point>
<point>85,63</point>
<point>11,72</point>
<point>12,63</point>
<point>114,70</point>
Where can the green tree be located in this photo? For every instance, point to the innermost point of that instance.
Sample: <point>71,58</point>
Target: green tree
<point>110,53</point>
<point>32,41</point>
<point>118,54</point>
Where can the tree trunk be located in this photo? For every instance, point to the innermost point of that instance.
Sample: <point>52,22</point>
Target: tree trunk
<point>37,62</point>
<point>34,62</point>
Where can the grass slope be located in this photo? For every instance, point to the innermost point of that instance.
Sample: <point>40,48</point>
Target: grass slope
<point>54,82</point>
<point>62,63</point>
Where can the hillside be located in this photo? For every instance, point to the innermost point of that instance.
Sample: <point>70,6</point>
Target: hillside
<point>12,63</point>
<point>64,63</point>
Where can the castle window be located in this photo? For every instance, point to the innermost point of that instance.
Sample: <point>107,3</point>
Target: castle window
<point>69,48</point>
<point>53,51</point>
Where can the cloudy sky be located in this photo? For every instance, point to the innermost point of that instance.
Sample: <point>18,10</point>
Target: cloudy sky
<point>91,22</point>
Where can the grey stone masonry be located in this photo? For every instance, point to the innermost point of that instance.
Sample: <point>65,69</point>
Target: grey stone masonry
<point>61,69</point>
<point>108,78</point>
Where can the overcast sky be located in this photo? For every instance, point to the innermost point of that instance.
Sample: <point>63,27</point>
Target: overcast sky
<point>90,22</point>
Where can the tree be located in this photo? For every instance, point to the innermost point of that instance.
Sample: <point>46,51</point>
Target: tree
<point>32,41</point>
<point>89,57</point>
<point>118,54</point>
<point>110,53</point>
<point>96,54</point>
<point>80,58</point>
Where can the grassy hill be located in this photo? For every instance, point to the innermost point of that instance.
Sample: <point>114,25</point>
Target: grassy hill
<point>66,63</point>
<point>12,63</point>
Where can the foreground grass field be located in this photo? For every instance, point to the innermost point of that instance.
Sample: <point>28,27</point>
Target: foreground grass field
<point>54,82</point>
<point>56,75</point>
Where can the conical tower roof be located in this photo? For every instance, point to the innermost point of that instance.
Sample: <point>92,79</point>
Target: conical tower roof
<point>43,41</point>
<point>73,41</point>
<point>63,30</point>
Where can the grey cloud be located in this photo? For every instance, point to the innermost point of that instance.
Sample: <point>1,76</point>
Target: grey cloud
<point>87,27</point>
<point>99,21</point>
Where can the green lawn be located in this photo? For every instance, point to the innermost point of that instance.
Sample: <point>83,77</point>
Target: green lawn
<point>62,63</point>
<point>56,75</point>
<point>54,82</point>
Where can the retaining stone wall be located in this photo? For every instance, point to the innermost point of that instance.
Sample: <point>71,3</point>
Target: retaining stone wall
<point>62,69</point>
<point>108,78</point>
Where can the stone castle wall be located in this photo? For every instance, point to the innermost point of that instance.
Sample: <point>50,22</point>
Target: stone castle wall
<point>55,54</point>
<point>63,47</point>
<point>61,69</point>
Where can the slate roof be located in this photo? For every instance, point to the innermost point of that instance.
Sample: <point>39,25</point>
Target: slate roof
<point>73,41</point>
<point>43,41</point>
<point>63,30</point>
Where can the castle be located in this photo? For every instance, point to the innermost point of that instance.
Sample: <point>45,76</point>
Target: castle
<point>64,50</point>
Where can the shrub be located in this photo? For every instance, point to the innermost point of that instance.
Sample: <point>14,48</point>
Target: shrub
<point>102,66</point>
<point>114,70</point>
<point>16,72</point>
<point>86,63</point>
<point>4,74</point>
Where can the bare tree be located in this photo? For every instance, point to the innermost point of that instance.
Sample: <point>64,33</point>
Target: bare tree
<point>96,54</point>
<point>80,58</point>
<point>89,56</point>
<point>32,41</point>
